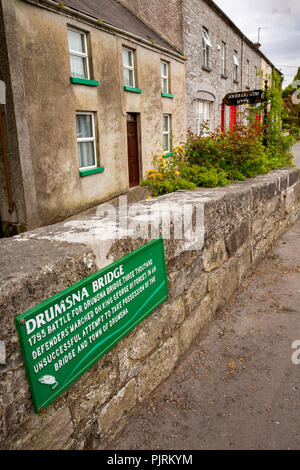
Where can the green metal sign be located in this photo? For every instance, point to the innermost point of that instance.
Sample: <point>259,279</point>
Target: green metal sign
<point>62,337</point>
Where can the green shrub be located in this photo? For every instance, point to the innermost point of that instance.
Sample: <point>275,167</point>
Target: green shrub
<point>219,158</point>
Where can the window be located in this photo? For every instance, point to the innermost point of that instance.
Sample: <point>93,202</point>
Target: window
<point>164,71</point>
<point>204,113</point>
<point>78,54</point>
<point>128,66</point>
<point>86,143</point>
<point>166,133</point>
<point>248,73</point>
<point>223,58</point>
<point>206,45</point>
<point>235,66</point>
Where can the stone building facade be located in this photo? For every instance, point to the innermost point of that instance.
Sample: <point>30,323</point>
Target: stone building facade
<point>220,58</point>
<point>77,139</point>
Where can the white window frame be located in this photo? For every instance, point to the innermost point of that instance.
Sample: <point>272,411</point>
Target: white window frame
<point>83,55</point>
<point>168,133</point>
<point>87,139</point>
<point>223,57</point>
<point>206,119</point>
<point>164,78</point>
<point>129,67</point>
<point>206,45</point>
<point>235,66</point>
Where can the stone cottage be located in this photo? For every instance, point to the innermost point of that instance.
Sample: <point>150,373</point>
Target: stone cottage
<point>91,93</point>
<point>220,58</point>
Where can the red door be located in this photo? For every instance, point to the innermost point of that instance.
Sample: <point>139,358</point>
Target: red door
<point>133,153</point>
<point>232,118</point>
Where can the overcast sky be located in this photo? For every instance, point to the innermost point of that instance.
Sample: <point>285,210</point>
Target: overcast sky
<point>281,37</point>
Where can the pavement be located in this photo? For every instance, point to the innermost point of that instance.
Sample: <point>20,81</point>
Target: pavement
<point>296,152</point>
<point>238,387</point>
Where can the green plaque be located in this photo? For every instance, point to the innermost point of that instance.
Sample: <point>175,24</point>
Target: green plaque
<point>62,337</point>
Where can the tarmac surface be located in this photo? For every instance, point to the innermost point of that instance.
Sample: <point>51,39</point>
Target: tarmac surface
<point>238,387</point>
<point>296,152</point>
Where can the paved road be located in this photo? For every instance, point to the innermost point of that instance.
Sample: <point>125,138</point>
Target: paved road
<point>237,387</point>
<point>296,152</point>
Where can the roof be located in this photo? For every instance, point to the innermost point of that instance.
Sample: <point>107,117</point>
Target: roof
<point>118,16</point>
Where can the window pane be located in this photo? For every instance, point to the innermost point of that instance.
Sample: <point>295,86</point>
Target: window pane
<point>164,69</point>
<point>206,38</point>
<point>166,142</point>
<point>128,78</point>
<point>78,66</point>
<point>86,154</point>
<point>127,57</point>
<point>200,110</point>
<point>164,85</point>
<point>76,41</point>
<point>84,126</point>
<point>166,124</point>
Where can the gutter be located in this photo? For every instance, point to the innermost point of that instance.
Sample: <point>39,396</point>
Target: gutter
<point>103,25</point>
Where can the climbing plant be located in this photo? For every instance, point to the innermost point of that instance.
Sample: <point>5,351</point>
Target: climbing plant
<point>274,108</point>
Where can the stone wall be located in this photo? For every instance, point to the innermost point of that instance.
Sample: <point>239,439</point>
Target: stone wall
<point>242,222</point>
<point>210,80</point>
<point>163,17</point>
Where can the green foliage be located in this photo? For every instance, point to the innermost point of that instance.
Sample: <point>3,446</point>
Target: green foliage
<point>204,176</point>
<point>295,131</point>
<point>219,158</point>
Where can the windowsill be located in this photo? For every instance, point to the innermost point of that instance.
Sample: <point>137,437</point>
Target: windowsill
<point>167,95</point>
<point>133,90</point>
<point>91,171</point>
<point>224,76</point>
<point>207,69</point>
<point>168,154</point>
<point>84,81</point>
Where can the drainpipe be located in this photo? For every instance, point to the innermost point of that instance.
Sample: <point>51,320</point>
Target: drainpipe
<point>242,62</point>
<point>4,148</point>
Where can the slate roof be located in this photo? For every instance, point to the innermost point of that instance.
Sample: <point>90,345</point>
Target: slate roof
<point>115,14</point>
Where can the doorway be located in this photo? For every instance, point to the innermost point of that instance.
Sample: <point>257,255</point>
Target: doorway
<point>133,150</point>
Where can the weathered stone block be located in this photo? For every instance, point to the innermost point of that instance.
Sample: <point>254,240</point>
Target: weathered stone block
<point>289,201</point>
<point>237,238</point>
<point>195,292</point>
<point>157,368</point>
<point>156,329</point>
<point>222,283</point>
<point>214,256</point>
<point>112,413</point>
<point>51,430</point>
<point>128,368</point>
<point>193,324</point>
<point>93,389</point>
